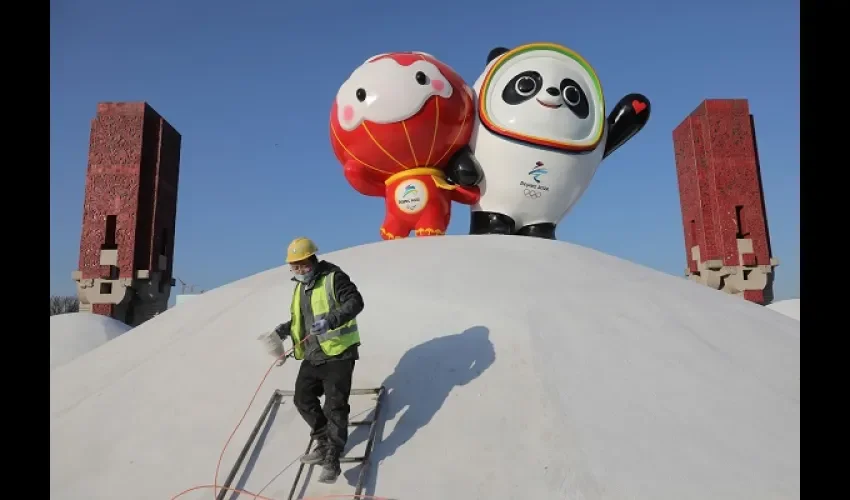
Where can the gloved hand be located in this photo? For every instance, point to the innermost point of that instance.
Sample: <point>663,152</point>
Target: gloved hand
<point>282,330</point>
<point>319,327</point>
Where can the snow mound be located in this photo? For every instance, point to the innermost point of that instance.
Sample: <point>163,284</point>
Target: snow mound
<point>515,368</point>
<point>790,308</point>
<point>74,334</point>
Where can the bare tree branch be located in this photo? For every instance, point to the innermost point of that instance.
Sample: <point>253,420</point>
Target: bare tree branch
<point>62,304</point>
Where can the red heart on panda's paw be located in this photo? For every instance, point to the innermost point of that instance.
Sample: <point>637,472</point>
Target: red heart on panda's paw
<point>638,106</point>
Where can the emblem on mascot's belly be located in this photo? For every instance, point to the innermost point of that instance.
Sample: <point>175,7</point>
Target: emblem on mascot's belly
<point>411,196</point>
<point>534,186</point>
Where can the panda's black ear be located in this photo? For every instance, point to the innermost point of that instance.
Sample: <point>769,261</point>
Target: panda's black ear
<point>496,53</point>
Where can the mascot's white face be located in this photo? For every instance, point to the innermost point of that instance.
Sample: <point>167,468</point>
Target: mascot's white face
<point>543,94</point>
<point>393,93</point>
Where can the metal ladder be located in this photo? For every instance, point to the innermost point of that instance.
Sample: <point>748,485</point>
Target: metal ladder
<point>373,428</point>
<point>276,398</point>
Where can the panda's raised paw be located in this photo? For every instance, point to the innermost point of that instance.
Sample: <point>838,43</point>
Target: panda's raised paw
<point>626,119</point>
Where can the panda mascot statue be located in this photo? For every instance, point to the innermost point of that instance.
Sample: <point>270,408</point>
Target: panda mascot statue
<point>540,134</point>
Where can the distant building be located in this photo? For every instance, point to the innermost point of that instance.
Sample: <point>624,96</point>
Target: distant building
<point>183,298</point>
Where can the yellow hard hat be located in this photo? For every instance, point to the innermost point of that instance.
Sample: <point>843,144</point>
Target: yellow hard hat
<point>300,249</point>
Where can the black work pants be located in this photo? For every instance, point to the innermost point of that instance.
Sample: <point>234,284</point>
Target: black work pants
<point>333,380</point>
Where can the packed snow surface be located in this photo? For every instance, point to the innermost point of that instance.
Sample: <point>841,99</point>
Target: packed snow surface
<point>790,308</point>
<point>517,368</point>
<point>74,334</point>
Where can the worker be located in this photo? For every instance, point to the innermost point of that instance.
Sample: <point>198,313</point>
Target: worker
<point>324,332</point>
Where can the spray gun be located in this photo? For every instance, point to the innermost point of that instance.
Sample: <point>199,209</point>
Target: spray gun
<point>274,346</point>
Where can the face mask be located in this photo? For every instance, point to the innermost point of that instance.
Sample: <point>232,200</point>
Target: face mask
<point>303,278</point>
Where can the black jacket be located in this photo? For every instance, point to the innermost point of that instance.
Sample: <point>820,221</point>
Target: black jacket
<point>350,304</point>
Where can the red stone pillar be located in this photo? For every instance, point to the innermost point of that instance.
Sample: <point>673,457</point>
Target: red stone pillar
<point>727,242</point>
<point>129,213</point>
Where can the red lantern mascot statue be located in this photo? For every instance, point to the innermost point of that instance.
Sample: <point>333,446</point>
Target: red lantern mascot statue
<point>400,126</point>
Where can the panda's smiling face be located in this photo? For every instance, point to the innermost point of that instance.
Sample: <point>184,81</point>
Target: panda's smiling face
<point>544,96</point>
<point>530,85</point>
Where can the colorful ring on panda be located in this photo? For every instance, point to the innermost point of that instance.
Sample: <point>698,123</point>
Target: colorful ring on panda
<point>569,146</point>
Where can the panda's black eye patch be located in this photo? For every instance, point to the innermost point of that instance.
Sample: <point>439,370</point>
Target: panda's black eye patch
<point>575,98</point>
<point>522,87</point>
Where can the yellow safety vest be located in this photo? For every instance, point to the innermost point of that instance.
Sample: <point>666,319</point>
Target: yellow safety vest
<point>332,342</point>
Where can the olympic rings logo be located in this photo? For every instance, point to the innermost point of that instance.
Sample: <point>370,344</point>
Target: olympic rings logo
<point>532,193</point>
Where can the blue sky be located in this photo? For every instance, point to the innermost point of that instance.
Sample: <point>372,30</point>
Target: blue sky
<point>249,86</point>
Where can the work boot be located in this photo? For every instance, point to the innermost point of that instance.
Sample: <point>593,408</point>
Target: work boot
<point>330,469</point>
<point>318,454</point>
